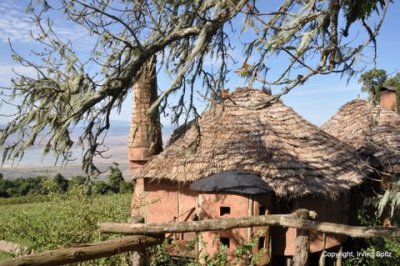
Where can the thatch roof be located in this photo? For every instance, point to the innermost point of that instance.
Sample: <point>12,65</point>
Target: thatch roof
<point>291,155</point>
<point>372,130</point>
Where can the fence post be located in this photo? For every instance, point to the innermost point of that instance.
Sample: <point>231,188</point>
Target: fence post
<point>137,258</point>
<point>302,244</point>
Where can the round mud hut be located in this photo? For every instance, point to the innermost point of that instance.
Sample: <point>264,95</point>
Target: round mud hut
<point>243,141</point>
<point>374,131</point>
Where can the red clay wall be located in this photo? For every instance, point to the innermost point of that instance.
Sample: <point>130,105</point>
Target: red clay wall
<point>168,202</point>
<point>210,208</point>
<point>161,202</point>
<point>262,206</point>
<point>239,207</point>
<point>165,204</point>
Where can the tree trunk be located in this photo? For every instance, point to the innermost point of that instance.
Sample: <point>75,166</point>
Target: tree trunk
<point>85,252</point>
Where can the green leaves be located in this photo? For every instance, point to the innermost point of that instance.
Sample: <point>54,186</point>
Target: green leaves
<point>68,88</point>
<point>245,70</point>
<point>390,200</point>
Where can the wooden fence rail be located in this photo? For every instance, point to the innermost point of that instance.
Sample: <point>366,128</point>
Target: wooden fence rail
<point>10,247</point>
<point>85,252</point>
<point>286,220</point>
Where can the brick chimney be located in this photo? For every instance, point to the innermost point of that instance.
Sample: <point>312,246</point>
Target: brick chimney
<point>145,138</point>
<point>388,98</point>
<point>145,131</point>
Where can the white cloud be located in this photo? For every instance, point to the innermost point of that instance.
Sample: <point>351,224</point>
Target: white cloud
<point>8,71</point>
<point>17,26</point>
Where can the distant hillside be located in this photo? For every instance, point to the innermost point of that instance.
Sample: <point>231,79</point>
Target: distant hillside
<point>117,140</point>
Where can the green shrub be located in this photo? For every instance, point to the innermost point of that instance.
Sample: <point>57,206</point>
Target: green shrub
<point>115,178</point>
<point>126,187</point>
<point>41,185</point>
<point>5,185</point>
<point>376,246</point>
<point>60,184</point>
<point>102,188</point>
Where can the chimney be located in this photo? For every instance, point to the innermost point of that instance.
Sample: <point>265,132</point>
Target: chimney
<point>145,131</point>
<point>388,98</point>
<point>224,94</point>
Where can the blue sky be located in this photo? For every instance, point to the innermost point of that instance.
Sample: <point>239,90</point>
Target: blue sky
<point>316,100</point>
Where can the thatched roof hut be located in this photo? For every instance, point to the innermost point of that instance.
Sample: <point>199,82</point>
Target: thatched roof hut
<point>372,130</point>
<point>294,157</point>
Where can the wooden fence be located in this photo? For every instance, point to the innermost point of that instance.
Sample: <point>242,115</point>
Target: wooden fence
<point>145,235</point>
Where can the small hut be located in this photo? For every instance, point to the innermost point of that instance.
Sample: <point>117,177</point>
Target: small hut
<point>374,131</point>
<point>243,141</point>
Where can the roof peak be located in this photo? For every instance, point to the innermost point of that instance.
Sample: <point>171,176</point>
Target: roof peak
<point>226,93</point>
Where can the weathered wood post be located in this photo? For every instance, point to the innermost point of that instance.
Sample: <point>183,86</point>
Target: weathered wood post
<point>302,247</point>
<point>339,259</point>
<point>137,258</point>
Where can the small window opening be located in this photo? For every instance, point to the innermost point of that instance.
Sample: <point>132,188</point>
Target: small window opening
<point>261,243</point>
<point>224,210</point>
<point>261,210</point>
<point>225,241</point>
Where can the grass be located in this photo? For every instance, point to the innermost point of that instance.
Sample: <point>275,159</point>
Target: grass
<point>50,208</point>
<point>24,199</point>
<point>61,221</point>
<point>5,255</point>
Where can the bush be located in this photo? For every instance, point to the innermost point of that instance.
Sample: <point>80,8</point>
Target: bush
<point>23,186</point>
<point>78,181</point>
<point>115,178</point>
<point>61,183</point>
<point>5,186</point>
<point>102,188</point>
<point>41,185</point>
<point>126,187</point>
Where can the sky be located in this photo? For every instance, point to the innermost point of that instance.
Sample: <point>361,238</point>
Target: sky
<point>317,100</point>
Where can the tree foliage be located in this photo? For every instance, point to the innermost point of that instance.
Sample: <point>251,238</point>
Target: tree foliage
<point>372,80</point>
<point>114,182</point>
<point>184,35</point>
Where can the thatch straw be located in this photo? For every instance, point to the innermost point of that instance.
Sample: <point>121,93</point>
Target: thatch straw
<point>372,130</point>
<point>291,155</point>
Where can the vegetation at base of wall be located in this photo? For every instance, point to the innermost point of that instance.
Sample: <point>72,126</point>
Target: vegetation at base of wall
<point>387,212</point>
<point>63,221</point>
<point>41,185</point>
<point>243,255</point>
